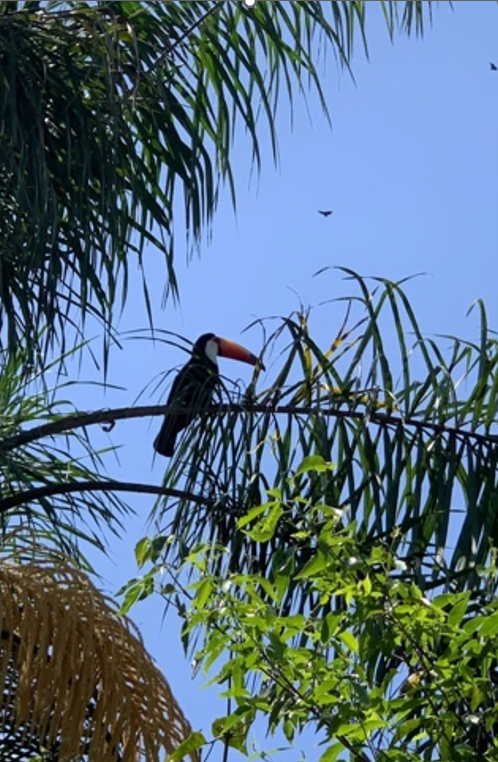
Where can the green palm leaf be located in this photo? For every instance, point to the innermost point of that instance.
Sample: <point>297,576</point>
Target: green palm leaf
<point>414,462</point>
<point>40,502</point>
<point>110,110</point>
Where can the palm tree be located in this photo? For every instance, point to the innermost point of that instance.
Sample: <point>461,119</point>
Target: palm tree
<point>404,451</point>
<point>111,113</point>
<point>75,678</point>
<point>115,115</point>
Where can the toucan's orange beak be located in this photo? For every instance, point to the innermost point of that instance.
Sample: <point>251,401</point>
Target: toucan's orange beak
<point>236,352</point>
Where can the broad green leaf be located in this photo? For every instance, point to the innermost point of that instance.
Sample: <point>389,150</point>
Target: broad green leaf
<point>332,752</point>
<point>313,463</point>
<point>194,742</point>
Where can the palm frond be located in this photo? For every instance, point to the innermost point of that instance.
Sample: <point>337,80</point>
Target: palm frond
<point>75,679</point>
<point>110,110</point>
<point>409,423</point>
<point>65,519</point>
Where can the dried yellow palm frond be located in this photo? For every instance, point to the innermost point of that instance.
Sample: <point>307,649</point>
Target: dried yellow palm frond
<point>75,678</point>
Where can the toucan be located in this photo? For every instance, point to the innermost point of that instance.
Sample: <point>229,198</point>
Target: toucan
<point>194,385</point>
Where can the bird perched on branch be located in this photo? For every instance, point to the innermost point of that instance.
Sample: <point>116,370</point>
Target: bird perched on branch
<point>193,387</point>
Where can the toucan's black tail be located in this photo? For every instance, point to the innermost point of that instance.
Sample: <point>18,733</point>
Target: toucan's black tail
<point>164,443</point>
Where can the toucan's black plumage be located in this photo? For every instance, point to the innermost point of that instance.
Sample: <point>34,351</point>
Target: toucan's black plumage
<point>193,388</point>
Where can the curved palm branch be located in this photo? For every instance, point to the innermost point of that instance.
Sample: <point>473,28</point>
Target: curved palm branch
<point>34,499</point>
<point>409,425</point>
<point>109,110</point>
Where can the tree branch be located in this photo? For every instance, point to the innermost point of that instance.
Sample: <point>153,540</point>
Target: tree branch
<point>50,490</point>
<point>111,415</point>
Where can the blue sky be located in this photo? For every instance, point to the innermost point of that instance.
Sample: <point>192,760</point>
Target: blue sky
<point>409,168</point>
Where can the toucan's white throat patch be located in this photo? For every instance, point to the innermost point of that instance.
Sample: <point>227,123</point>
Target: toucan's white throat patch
<point>212,351</point>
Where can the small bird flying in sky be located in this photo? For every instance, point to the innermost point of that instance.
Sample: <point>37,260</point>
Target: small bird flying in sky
<point>493,66</point>
<point>193,387</point>
<point>325,212</point>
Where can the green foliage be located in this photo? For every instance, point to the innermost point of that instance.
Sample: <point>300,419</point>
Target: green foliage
<point>36,507</point>
<point>330,580</point>
<point>387,673</point>
<point>111,112</point>
<point>301,581</point>
<point>387,438</point>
